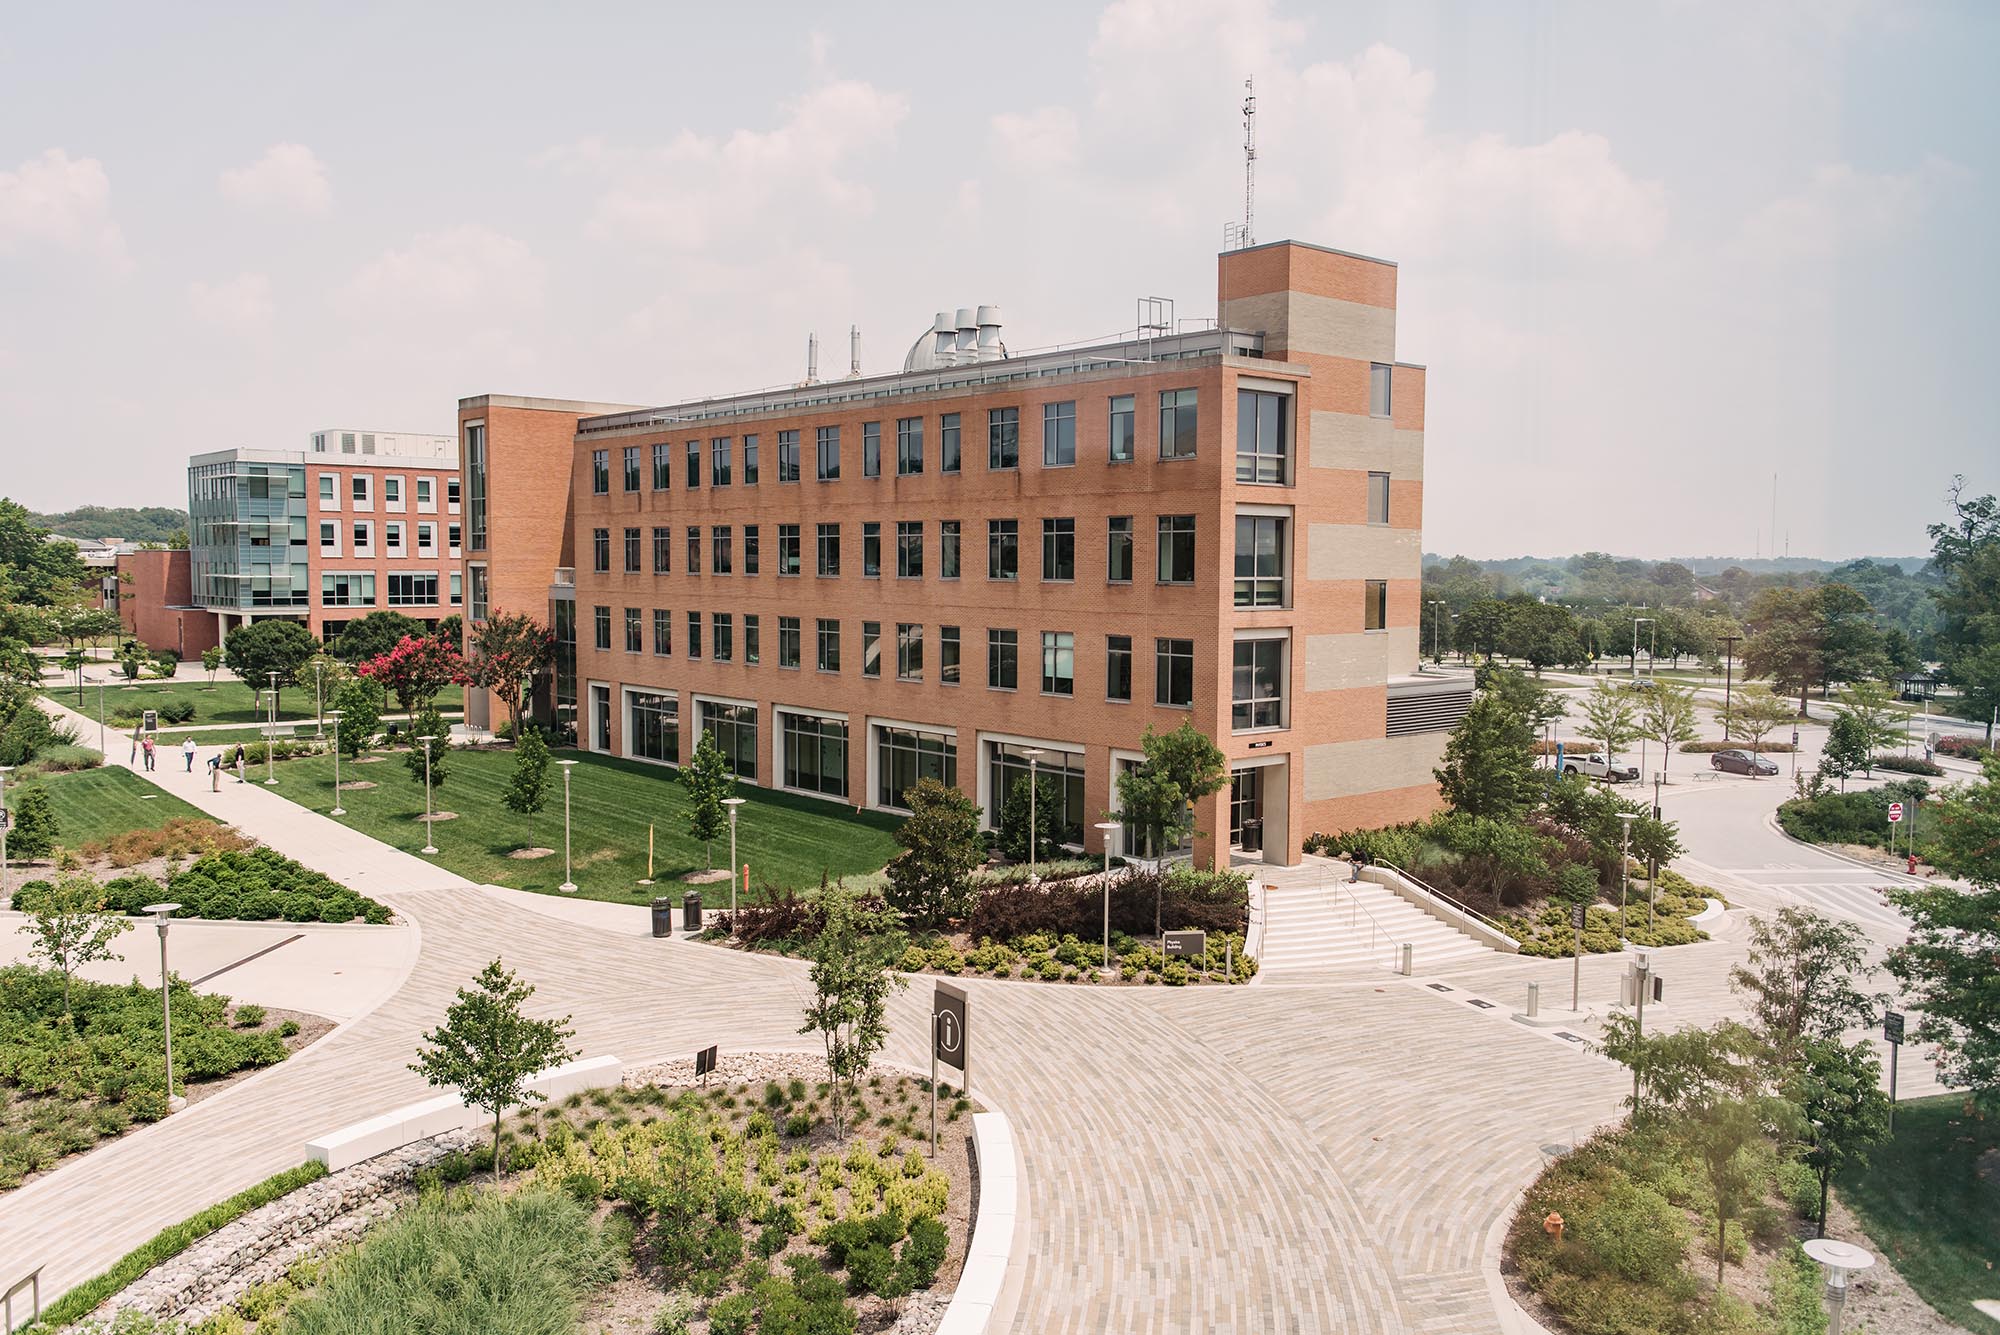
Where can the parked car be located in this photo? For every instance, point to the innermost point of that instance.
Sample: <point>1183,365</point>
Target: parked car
<point>1742,762</point>
<point>1597,765</point>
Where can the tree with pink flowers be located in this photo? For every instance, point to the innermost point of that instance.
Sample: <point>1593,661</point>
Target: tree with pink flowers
<point>415,670</point>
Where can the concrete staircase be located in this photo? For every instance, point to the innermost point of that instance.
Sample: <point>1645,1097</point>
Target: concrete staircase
<point>1316,923</point>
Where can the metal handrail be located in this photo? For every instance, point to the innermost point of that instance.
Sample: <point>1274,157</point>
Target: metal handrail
<point>1375,928</point>
<point>1441,896</point>
<point>32,1281</point>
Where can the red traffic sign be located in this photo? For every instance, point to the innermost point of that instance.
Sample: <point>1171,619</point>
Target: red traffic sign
<point>1895,813</point>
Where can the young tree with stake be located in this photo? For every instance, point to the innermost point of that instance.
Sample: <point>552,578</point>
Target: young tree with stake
<point>1667,716</point>
<point>852,978</point>
<point>707,780</point>
<point>488,1048</point>
<point>528,789</point>
<point>68,927</point>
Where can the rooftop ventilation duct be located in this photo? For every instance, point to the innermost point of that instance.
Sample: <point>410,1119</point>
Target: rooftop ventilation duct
<point>989,348</point>
<point>944,330</point>
<point>967,349</point>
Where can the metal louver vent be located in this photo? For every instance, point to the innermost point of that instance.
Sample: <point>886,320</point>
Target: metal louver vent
<point>1430,711</point>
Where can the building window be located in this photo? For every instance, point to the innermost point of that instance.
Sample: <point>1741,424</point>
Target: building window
<point>1379,402</point>
<point>1173,673</point>
<point>826,452</point>
<point>788,456</point>
<point>392,492</point>
<point>600,624</point>
<point>909,446</point>
<point>948,535</point>
<point>1375,604</point>
<point>392,539</point>
<point>1003,659</point>
<point>475,602</point>
<point>871,449</point>
<point>1003,549</point>
<point>360,485</point>
<point>326,490</point>
<point>948,443</point>
<point>451,487</point>
<point>693,464</point>
<point>1058,662</point>
<point>1003,438</point>
<point>909,651</point>
<point>663,467</point>
<point>424,493</point>
<point>788,642</point>
<point>457,589</point>
<point>1260,561</point>
<point>948,655</point>
<point>1257,685</point>
<point>1378,498</point>
<point>475,476</point>
<point>904,756</point>
<point>452,533</point>
<point>1118,667</point>
<point>718,461</point>
<point>722,640</point>
<point>426,539</point>
<point>734,728</point>
<point>663,551</point>
<point>829,551</point>
<point>634,636</point>
<point>828,658</point>
<point>815,753</point>
<point>329,537</point>
<point>347,590</point>
<point>663,632</point>
<point>723,557</point>
<point>1124,429</point>
<point>656,726</point>
<point>694,635</point>
<point>1118,549</point>
<point>750,553</point>
<point>631,462</point>
<point>1177,423</point>
<point>788,549</point>
<point>871,550</point>
<point>753,639</point>
<point>1263,436</point>
<point>1059,549</point>
<point>694,549</point>
<point>632,551</point>
<point>871,648</point>
<point>909,549</point>
<point>1008,772</point>
<point>600,550</point>
<point>413,590</point>
<point>600,473</point>
<point>1059,434</point>
<point>1176,549</point>
<point>749,461</point>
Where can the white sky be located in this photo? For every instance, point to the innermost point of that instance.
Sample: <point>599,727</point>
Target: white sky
<point>1652,253</point>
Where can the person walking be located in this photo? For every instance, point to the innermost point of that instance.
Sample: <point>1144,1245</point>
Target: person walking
<point>187,753</point>
<point>147,747</point>
<point>239,762</point>
<point>215,773</point>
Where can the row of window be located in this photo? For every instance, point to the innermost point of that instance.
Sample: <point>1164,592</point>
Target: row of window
<point>417,589</point>
<point>361,492</point>
<point>362,535</point>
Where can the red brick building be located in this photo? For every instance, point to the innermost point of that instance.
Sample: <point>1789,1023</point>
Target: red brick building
<point>154,597</point>
<point>990,561</point>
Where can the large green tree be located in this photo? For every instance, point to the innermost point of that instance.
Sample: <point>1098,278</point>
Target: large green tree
<point>1608,718</point>
<point>1812,639</point>
<point>930,881</point>
<point>68,926</point>
<point>1158,794</point>
<point>360,703</point>
<point>1872,716</point>
<point>374,635</point>
<point>1543,634</point>
<point>33,569</point>
<point>1803,979</point>
<point>1489,766</point>
<point>1667,716</point>
<point>1966,554</point>
<point>489,1048</point>
<point>505,652</point>
<point>255,651</point>
<point>1838,1089</point>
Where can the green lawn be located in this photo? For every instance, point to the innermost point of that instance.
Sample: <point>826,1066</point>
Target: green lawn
<point>1922,1196</point>
<point>95,804</point>
<point>787,840</point>
<point>225,702</point>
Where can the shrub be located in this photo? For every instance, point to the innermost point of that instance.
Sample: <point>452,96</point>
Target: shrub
<point>1636,1231</point>
<point>1909,765</point>
<point>732,1315</point>
<point>65,759</point>
<point>1965,748</point>
<point>249,1016</point>
<point>176,711</point>
<point>924,1252</point>
<point>1709,748</point>
<point>260,883</point>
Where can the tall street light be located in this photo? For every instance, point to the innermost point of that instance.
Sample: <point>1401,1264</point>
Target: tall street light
<point>1034,755</point>
<point>162,915</point>
<point>1105,829</point>
<point>271,737</point>
<point>319,699</point>
<point>430,842</point>
<point>568,885</point>
<point>5,821</point>
<point>732,803</point>
<point>1651,653</point>
<point>100,718</point>
<point>1624,866</point>
<point>1728,672</point>
<point>336,715</point>
<point>1437,638</point>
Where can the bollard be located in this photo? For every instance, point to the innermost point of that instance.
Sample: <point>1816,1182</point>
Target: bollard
<point>1534,999</point>
<point>1408,952</point>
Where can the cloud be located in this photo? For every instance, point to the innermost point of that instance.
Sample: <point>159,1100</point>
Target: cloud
<point>457,271</point>
<point>1840,208</point>
<point>240,305</point>
<point>1044,138</point>
<point>288,177</point>
<point>56,200</point>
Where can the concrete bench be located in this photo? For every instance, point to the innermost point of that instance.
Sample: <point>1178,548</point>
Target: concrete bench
<point>360,1141</point>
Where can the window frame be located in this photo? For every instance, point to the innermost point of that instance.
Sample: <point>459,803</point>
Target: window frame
<point>1174,428</point>
<point>1168,540</point>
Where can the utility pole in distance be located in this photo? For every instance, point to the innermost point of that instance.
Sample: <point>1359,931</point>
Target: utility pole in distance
<point>1728,673</point>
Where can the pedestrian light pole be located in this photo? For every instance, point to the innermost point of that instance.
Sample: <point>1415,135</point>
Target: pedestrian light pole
<point>1655,623</point>
<point>1034,755</point>
<point>1624,867</point>
<point>1728,672</point>
<point>1105,829</point>
<point>735,868</point>
<point>319,699</point>
<point>430,842</point>
<point>1437,630</point>
<point>336,715</point>
<point>568,885</point>
<point>1839,1260</point>
<point>5,821</point>
<point>100,717</point>
<point>271,737</point>
<point>162,915</point>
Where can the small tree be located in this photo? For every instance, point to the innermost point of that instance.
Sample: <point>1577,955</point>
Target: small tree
<point>852,978</point>
<point>1667,716</point>
<point>1838,1089</point>
<point>1800,979</point>
<point>1755,715</point>
<point>36,827</point>
<point>528,789</point>
<point>1158,794</point>
<point>1607,718</point>
<point>1050,814</point>
<point>1489,764</point>
<point>1868,710</point>
<point>505,652</point>
<point>488,1049</point>
<point>930,881</point>
<point>707,780</point>
<point>429,724</point>
<point>69,928</point>
<point>73,661</point>
<point>360,704</point>
<point>1847,749</point>
<point>415,670</point>
<point>211,661</point>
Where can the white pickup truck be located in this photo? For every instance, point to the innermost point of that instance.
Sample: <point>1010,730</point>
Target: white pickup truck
<point>1597,765</point>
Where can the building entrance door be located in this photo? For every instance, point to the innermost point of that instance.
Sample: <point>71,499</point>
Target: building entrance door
<point>1246,809</point>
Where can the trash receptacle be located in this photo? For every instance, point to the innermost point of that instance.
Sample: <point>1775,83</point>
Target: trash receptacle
<point>691,911</point>
<point>663,916</point>
<point>1253,835</point>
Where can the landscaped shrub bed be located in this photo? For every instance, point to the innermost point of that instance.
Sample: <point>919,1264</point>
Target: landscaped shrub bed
<point>1069,958</point>
<point>1708,748</point>
<point>256,884</point>
<point>68,1082</point>
<point>1177,898</point>
<point>1549,932</point>
<point>1909,765</point>
<point>1857,817</point>
<point>1965,748</point>
<point>181,837</point>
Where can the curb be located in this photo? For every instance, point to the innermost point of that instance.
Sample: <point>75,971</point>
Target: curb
<point>1901,878</point>
<point>990,1284</point>
<point>1716,908</point>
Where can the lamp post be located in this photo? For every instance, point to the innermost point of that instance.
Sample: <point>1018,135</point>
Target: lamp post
<point>1655,623</point>
<point>100,718</point>
<point>1624,866</point>
<point>271,737</point>
<point>1839,1260</point>
<point>1728,673</point>
<point>568,885</point>
<point>5,821</point>
<point>430,842</point>
<point>1105,829</point>
<point>1034,755</point>
<point>319,699</point>
<point>1643,971</point>
<point>162,915</point>
<point>1437,638</point>
<point>732,803</point>
<point>336,715</point>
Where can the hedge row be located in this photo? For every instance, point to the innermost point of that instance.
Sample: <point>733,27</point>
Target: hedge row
<point>1709,748</point>
<point>257,884</point>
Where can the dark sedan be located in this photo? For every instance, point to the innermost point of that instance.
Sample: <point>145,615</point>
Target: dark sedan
<point>1742,762</point>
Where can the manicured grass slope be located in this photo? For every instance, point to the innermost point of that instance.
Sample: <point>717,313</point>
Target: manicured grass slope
<point>1923,1198</point>
<point>98,804</point>
<point>787,840</point>
<point>226,702</point>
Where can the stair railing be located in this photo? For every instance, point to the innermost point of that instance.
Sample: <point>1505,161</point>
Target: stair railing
<point>1378,935</point>
<point>1441,897</point>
